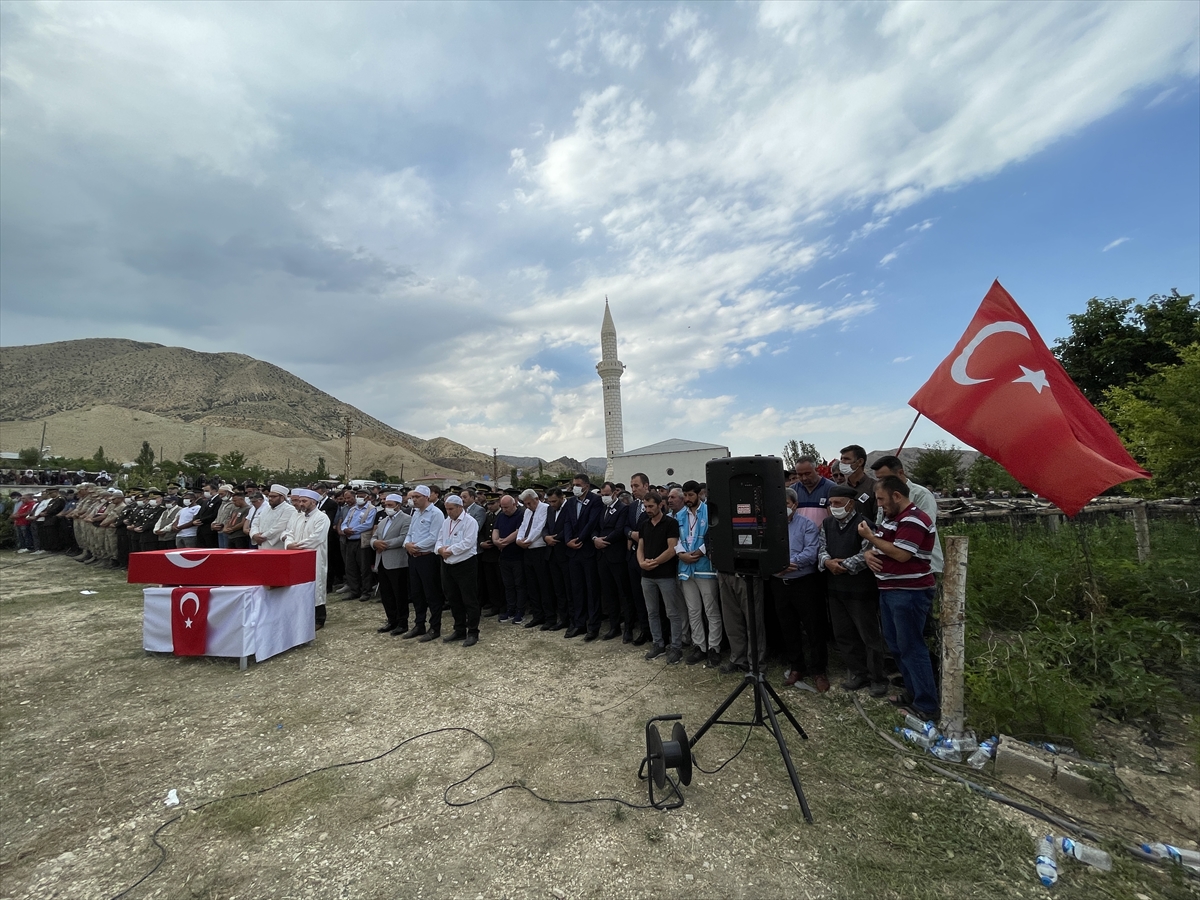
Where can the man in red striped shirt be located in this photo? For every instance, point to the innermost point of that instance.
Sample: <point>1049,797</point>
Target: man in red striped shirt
<point>901,550</point>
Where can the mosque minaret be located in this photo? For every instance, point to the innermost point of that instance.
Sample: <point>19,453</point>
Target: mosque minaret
<point>611,369</point>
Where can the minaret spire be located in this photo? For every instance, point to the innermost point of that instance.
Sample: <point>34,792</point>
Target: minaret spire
<point>611,369</point>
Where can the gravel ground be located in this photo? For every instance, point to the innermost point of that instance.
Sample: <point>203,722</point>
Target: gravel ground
<point>95,732</point>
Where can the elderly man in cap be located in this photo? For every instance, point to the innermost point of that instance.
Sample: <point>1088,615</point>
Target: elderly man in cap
<point>359,520</point>
<point>206,515</point>
<point>457,545</point>
<point>220,525</point>
<point>391,563</point>
<point>273,519</point>
<point>309,530</point>
<point>424,577</point>
<point>108,528</point>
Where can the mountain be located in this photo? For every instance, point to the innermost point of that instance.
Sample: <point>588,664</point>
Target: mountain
<point>594,465</point>
<point>116,393</point>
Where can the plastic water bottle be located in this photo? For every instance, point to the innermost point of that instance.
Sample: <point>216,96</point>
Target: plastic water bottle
<point>1189,858</point>
<point>1046,863</point>
<point>986,751</point>
<point>966,743</point>
<point>922,740</point>
<point>1086,853</point>
<point>926,728</point>
<point>945,750</point>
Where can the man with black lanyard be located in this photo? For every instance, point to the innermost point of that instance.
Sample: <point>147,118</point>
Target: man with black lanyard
<point>457,545</point>
<point>639,484</point>
<point>539,589</point>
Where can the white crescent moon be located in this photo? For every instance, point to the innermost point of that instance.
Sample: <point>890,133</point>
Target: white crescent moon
<point>190,595</point>
<point>958,369</point>
<point>177,558</point>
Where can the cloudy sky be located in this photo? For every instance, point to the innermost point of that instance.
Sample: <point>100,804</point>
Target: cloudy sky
<point>793,208</point>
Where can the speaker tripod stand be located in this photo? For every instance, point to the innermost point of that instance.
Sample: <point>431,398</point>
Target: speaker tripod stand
<point>765,698</point>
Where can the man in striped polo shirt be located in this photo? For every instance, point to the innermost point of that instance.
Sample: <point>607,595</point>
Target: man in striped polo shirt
<point>901,549</point>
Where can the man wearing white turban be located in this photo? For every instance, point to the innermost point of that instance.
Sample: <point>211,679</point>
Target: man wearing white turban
<point>309,530</point>
<point>273,521</point>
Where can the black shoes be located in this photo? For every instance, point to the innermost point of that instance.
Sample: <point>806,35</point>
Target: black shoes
<point>388,627</point>
<point>417,631</point>
<point>641,638</point>
<point>610,634</point>
<point>400,630</point>
<point>573,632</point>
<point>729,667</point>
<point>627,637</point>
<point>457,635</point>
<point>674,656</point>
<point>429,636</point>
<point>696,656</point>
<point>471,641</point>
<point>534,623</point>
<point>548,626</point>
<point>656,651</point>
<point>714,658</point>
<point>591,636</point>
<point>855,683</point>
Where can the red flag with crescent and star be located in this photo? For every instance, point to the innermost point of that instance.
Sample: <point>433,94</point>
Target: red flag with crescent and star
<point>189,621</point>
<point>1004,393</point>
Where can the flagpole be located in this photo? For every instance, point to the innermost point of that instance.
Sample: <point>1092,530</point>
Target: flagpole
<point>906,434</point>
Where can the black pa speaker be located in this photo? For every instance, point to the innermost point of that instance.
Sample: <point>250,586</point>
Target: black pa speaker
<point>747,515</point>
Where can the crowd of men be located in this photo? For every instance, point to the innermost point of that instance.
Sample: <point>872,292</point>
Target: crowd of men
<point>597,563</point>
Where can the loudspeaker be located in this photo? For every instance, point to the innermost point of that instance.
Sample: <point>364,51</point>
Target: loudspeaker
<point>747,515</point>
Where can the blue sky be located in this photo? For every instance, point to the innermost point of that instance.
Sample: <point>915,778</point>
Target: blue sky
<point>793,208</point>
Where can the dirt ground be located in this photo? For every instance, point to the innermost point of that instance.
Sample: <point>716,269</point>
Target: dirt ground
<point>94,732</point>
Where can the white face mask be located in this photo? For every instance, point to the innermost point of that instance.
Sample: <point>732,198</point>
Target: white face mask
<point>845,468</point>
<point>577,491</point>
<point>791,511</point>
<point>208,493</point>
<point>839,512</point>
<point>360,501</point>
<point>154,502</point>
<point>141,503</point>
<point>609,500</point>
<point>187,502</point>
<point>389,511</point>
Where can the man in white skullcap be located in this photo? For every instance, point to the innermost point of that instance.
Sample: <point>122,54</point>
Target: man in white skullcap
<point>424,574</point>
<point>309,530</point>
<point>457,545</point>
<point>391,563</point>
<point>273,521</point>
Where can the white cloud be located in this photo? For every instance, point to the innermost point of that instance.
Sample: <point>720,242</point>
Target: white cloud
<point>1117,243</point>
<point>889,257</point>
<point>921,226</point>
<point>901,359</point>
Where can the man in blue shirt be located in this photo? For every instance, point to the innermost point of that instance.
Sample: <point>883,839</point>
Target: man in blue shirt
<point>800,601</point>
<point>424,581</point>
<point>359,520</point>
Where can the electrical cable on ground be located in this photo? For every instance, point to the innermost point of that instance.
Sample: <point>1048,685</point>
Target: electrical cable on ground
<point>1075,828</point>
<point>358,762</point>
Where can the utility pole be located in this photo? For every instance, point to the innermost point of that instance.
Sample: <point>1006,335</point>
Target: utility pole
<point>495,466</point>
<point>204,439</point>
<point>42,442</point>
<point>348,452</point>
<point>402,473</point>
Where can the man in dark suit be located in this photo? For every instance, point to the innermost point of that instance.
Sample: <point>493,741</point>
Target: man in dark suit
<point>581,515</point>
<point>560,576</point>
<point>613,563</point>
<point>639,485</point>
<point>336,568</point>
<point>209,507</point>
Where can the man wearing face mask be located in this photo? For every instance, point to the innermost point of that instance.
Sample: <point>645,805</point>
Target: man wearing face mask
<point>391,563</point>
<point>273,519</point>
<point>852,593</point>
<point>255,503</point>
<point>424,576</point>
<point>359,520</point>
<point>539,591</point>
<point>560,575</point>
<point>800,602</point>
<point>457,545</point>
<point>853,465</point>
<point>613,564</point>
<point>185,522</point>
<point>309,530</point>
<point>164,528</point>
<point>206,515</point>
<point>581,515</point>
<point>142,537</point>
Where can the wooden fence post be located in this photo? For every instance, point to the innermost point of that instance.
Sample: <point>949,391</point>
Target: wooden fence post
<point>953,614</point>
<point>1141,528</point>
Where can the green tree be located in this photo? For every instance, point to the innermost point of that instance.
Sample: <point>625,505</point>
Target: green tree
<point>378,475</point>
<point>29,457</point>
<point>233,465</point>
<point>986,475</point>
<point>1116,342</point>
<point>794,450</point>
<point>939,467</point>
<point>144,464</point>
<point>1159,420</point>
<point>321,473</point>
<point>100,461</point>
<point>199,463</point>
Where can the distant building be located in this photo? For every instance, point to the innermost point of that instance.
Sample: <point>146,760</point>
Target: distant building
<point>671,460</point>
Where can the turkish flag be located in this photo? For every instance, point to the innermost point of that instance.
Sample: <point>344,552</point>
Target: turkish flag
<point>1003,392</point>
<point>189,620</point>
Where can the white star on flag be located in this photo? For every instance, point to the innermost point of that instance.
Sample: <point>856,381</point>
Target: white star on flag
<point>187,623</point>
<point>1036,378</point>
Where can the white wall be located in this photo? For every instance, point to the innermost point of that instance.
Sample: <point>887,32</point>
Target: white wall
<point>687,465</point>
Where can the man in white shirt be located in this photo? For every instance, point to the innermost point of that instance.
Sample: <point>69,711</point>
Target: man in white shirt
<point>273,520</point>
<point>539,589</point>
<point>185,525</point>
<point>309,530</point>
<point>457,545</point>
